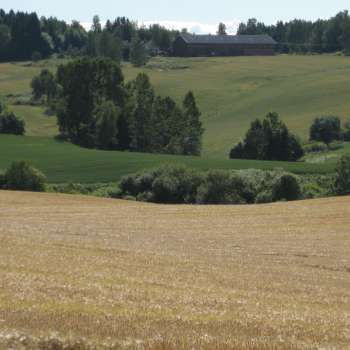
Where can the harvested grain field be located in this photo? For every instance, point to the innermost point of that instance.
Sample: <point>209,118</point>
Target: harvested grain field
<point>174,277</point>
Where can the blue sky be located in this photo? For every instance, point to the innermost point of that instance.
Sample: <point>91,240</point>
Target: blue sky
<point>197,15</point>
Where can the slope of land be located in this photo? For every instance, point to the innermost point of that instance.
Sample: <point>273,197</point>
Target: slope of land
<point>231,92</point>
<point>183,275</point>
<point>64,162</point>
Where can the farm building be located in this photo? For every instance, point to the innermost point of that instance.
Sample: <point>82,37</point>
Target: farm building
<point>190,45</point>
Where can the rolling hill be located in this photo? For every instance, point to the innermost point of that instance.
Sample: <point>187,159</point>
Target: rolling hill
<point>231,93</point>
<point>174,277</point>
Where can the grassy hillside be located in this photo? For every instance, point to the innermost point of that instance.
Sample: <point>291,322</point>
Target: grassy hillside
<point>234,91</point>
<point>231,91</point>
<point>174,277</point>
<point>64,162</point>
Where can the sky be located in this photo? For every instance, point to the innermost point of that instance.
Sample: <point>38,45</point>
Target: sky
<point>198,16</point>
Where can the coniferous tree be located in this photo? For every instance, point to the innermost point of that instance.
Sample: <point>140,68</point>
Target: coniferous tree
<point>5,38</point>
<point>138,52</point>
<point>141,119</point>
<point>268,140</point>
<point>108,45</point>
<point>194,128</point>
<point>222,29</point>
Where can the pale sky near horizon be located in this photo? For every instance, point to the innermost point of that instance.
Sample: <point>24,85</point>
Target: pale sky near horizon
<point>197,16</point>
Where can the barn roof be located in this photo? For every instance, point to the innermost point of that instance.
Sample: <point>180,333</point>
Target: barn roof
<point>227,39</point>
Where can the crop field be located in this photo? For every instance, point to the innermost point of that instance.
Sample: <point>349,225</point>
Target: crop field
<point>174,277</point>
<point>64,162</point>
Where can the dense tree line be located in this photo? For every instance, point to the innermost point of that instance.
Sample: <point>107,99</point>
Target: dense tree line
<point>24,36</point>
<point>268,139</point>
<point>96,108</point>
<point>320,36</point>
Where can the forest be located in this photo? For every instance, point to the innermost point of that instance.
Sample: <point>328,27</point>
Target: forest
<point>303,36</point>
<point>25,36</point>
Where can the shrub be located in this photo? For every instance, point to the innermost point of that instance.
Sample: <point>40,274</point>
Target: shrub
<point>22,176</point>
<point>342,177</point>
<point>220,187</point>
<point>2,180</point>
<point>10,124</point>
<point>137,183</point>
<point>145,197</point>
<point>315,147</point>
<point>286,188</point>
<point>179,184</point>
<point>336,145</point>
<point>264,197</point>
<point>312,190</point>
<point>176,184</point>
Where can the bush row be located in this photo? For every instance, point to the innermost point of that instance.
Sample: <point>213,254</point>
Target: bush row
<point>179,184</point>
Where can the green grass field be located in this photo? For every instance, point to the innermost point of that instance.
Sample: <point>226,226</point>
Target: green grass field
<point>64,162</point>
<point>231,92</point>
<point>234,91</point>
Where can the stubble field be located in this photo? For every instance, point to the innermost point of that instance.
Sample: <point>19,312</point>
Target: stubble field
<point>174,277</point>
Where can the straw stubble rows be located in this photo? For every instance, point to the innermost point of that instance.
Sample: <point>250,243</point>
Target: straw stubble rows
<point>140,275</point>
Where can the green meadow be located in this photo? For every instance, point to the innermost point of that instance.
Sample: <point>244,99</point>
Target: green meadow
<point>231,92</point>
<point>64,162</point>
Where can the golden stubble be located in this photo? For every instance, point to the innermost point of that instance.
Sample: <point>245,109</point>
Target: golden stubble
<point>164,277</point>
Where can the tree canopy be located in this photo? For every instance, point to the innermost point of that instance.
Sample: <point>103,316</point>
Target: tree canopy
<point>25,36</point>
<point>298,35</point>
<point>268,139</point>
<point>95,108</point>
<point>326,129</point>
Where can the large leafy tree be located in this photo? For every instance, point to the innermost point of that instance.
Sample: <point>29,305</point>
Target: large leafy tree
<point>44,85</point>
<point>87,83</point>
<point>96,109</point>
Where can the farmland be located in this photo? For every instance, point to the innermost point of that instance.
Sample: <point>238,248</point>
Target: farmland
<point>231,92</point>
<point>175,277</point>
